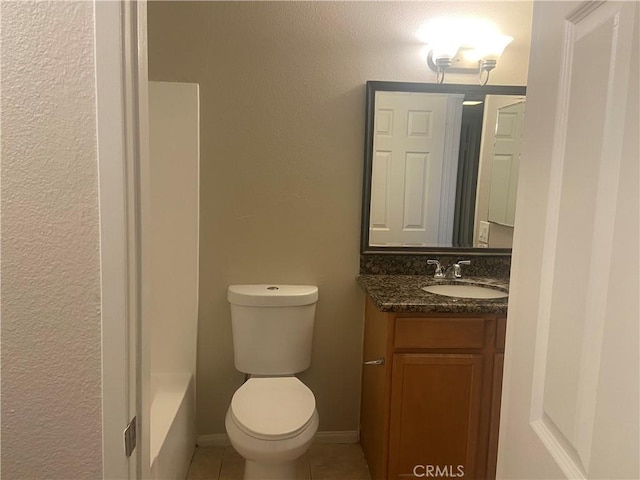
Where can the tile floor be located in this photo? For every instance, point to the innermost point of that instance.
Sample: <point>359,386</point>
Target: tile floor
<point>321,462</point>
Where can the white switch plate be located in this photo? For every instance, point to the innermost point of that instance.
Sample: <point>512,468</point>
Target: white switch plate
<point>483,232</point>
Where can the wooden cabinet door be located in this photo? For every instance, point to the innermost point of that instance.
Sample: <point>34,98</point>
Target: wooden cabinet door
<point>435,413</point>
<point>494,426</point>
<point>374,407</point>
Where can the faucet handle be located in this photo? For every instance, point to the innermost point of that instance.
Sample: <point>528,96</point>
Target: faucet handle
<point>457,269</point>
<point>439,273</point>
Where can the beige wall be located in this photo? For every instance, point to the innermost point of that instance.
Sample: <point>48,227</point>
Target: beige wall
<point>51,337</point>
<point>282,122</point>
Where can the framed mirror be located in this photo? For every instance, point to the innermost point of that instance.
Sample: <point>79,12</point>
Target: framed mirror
<point>440,170</point>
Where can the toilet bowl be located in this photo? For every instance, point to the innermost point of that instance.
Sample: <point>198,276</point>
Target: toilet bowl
<point>272,418</point>
<point>271,422</point>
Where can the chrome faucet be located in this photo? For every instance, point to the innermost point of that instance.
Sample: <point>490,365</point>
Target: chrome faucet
<point>452,271</point>
<point>455,270</point>
<point>439,273</point>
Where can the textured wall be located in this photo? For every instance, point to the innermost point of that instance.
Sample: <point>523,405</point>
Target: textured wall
<point>51,372</point>
<point>282,122</point>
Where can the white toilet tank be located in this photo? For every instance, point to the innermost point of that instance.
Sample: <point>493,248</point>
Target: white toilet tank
<point>272,327</point>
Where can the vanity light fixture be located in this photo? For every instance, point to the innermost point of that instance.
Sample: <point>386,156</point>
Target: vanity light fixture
<point>463,46</point>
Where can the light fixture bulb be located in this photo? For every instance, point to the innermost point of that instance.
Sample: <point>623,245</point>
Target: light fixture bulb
<point>475,43</point>
<point>444,48</point>
<point>470,54</point>
<point>443,36</point>
<point>491,48</point>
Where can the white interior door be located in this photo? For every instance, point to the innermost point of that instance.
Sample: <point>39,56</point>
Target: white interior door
<point>570,396</point>
<point>414,168</point>
<point>506,164</point>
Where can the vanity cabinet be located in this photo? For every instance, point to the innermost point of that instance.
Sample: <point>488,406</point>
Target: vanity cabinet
<point>432,408</point>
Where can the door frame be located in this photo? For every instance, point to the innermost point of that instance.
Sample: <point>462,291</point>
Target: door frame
<point>122,134</point>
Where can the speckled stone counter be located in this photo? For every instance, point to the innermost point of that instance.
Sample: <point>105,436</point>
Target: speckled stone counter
<point>404,294</point>
<point>489,266</point>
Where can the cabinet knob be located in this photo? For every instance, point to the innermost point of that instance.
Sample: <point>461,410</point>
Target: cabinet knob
<point>378,361</point>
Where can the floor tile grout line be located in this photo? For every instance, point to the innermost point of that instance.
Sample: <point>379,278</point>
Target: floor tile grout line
<point>220,467</point>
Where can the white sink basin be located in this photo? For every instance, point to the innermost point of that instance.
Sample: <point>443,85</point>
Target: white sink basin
<point>465,291</point>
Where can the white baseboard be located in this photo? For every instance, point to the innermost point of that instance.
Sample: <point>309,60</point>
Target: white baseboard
<point>222,440</point>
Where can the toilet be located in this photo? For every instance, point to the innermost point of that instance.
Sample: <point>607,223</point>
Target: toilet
<point>272,418</point>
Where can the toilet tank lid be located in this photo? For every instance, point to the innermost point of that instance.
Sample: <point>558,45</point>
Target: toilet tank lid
<point>272,295</point>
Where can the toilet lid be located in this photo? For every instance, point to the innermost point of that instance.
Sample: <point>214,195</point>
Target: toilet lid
<point>273,408</point>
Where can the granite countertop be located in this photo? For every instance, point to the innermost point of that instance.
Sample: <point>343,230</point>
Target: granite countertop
<point>404,294</point>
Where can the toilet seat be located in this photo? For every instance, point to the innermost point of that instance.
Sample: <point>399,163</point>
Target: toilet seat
<point>273,408</point>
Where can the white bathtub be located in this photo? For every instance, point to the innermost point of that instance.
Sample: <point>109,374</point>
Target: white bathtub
<point>173,429</point>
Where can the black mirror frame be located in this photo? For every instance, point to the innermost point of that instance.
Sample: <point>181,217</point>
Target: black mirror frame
<point>371,88</point>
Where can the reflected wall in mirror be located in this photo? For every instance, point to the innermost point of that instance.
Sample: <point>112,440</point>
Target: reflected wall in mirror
<point>434,154</point>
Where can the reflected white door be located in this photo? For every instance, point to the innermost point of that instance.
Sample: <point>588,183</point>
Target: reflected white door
<point>570,396</point>
<point>506,164</point>
<point>416,143</point>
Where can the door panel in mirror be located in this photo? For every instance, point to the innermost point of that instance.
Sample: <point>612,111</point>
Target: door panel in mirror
<point>414,168</point>
<point>506,164</point>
